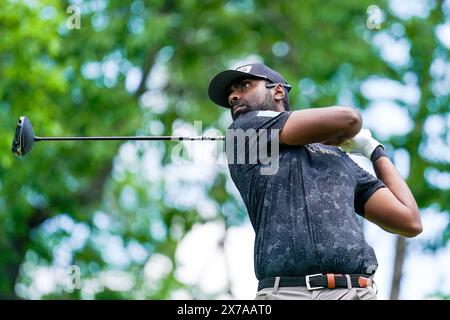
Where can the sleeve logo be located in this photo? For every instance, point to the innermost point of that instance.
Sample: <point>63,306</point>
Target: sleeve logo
<point>267,113</point>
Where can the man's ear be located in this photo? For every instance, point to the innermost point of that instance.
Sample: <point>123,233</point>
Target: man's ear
<point>279,92</point>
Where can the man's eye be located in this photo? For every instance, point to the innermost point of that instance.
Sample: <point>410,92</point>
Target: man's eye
<point>244,85</point>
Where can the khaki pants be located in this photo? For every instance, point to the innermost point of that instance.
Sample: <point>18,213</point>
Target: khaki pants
<point>302,293</point>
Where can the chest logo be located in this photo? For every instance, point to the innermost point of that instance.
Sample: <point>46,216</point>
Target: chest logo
<point>318,149</point>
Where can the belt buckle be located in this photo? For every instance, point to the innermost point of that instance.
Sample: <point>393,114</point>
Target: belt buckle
<point>307,280</point>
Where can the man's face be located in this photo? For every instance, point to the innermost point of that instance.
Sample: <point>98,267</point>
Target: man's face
<point>248,94</point>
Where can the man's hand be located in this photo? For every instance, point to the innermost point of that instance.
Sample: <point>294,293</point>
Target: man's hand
<point>362,144</point>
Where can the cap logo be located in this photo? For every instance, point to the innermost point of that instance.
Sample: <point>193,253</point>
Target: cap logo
<point>244,69</point>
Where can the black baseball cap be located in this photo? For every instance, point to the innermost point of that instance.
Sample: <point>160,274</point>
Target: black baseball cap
<point>219,85</point>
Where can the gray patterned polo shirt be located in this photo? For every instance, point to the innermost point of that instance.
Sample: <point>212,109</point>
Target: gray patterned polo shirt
<point>305,213</point>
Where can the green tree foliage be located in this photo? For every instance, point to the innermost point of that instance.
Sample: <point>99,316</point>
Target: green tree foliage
<point>66,203</point>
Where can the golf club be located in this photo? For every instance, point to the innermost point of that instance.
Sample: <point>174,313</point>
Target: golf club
<point>24,137</point>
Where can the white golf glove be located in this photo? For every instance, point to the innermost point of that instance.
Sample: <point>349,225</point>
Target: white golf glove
<point>362,144</point>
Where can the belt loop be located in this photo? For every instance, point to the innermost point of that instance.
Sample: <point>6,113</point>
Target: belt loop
<point>330,281</point>
<point>349,281</point>
<point>275,286</point>
<point>374,285</point>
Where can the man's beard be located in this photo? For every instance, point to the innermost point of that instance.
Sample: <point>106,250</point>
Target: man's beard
<point>266,104</point>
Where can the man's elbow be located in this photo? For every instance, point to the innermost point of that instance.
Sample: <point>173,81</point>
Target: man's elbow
<point>413,229</point>
<point>354,121</point>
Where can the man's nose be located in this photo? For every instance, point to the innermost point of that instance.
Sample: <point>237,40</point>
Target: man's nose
<point>233,98</point>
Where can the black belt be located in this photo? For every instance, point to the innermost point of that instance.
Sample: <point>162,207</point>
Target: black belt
<point>319,281</point>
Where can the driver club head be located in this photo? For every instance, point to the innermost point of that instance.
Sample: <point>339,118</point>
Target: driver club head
<point>23,138</point>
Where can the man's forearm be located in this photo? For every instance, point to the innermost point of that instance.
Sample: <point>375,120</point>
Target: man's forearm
<point>332,124</point>
<point>386,172</point>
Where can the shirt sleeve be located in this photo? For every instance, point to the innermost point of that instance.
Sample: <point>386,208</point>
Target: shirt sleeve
<point>264,119</point>
<point>251,132</point>
<point>244,158</point>
<point>366,185</point>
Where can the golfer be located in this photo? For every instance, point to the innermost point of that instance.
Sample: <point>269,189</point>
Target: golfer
<point>309,241</point>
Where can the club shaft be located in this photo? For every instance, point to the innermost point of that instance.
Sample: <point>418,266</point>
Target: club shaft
<point>157,138</point>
